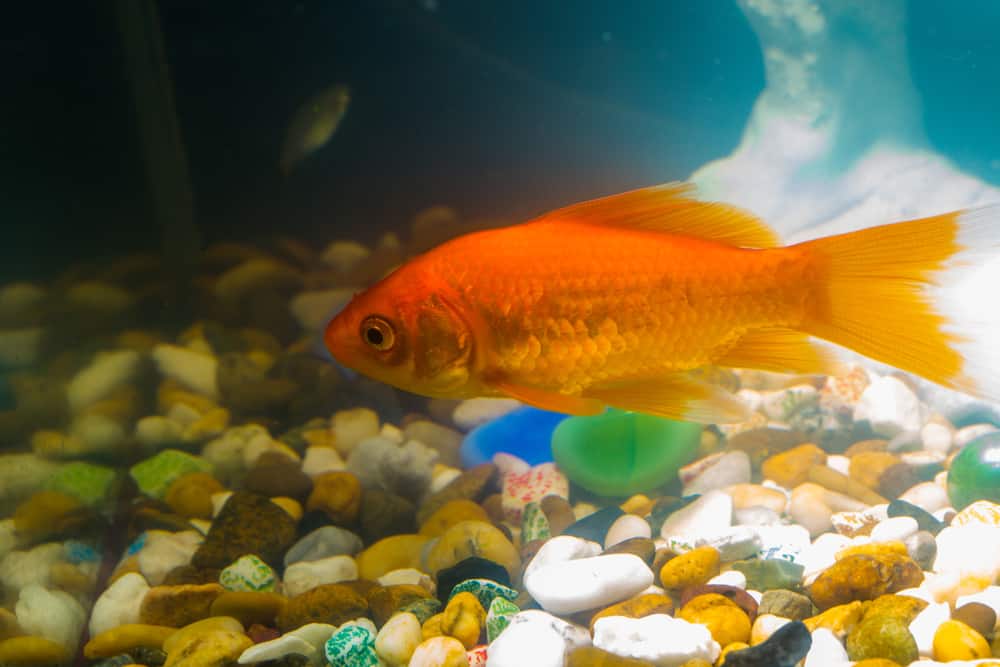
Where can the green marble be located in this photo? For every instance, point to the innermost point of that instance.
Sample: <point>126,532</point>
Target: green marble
<point>154,475</point>
<point>975,472</point>
<point>620,453</point>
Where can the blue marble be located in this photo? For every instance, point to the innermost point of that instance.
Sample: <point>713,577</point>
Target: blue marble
<point>78,552</point>
<point>136,545</point>
<point>525,432</point>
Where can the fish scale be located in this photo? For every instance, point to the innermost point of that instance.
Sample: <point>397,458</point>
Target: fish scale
<point>546,319</point>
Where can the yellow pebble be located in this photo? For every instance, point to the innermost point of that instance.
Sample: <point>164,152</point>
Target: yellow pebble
<point>463,619</point>
<point>432,626</point>
<point>639,504</point>
<point>396,552</point>
<point>126,638</point>
<point>32,650</point>
<point>451,513</point>
<point>723,618</point>
<point>729,648</point>
<point>955,640</point>
<point>691,569</point>
<point>439,652</point>
<point>290,505</point>
<point>183,635</point>
<point>839,620</point>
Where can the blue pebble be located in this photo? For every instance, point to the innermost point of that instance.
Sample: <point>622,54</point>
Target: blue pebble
<point>78,552</point>
<point>525,432</point>
<point>136,545</point>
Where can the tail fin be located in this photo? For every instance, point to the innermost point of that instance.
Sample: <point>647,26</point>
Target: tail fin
<point>920,295</point>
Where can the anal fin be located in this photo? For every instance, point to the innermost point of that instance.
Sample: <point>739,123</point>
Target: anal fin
<point>679,396</point>
<point>550,400</point>
<point>781,350</point>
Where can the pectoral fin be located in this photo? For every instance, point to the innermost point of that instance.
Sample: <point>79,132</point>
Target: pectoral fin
<point>679,396</point>
<point>550,400</point>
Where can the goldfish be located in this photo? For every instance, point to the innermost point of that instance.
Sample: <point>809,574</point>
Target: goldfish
<point>630,301</point>
<point>313,124</point>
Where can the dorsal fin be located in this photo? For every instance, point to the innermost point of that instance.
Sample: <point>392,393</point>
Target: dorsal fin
<point>671,208</point>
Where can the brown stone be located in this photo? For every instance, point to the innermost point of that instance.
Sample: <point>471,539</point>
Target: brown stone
<point>864,576</point>
<point>643,547</point>
<point>247,524</point>
<point>250,607</point>
<point>330,603</point>
<point>338,495</point>
<point>176,606</point>
<point>191,495</point>
<point>473,484</point>
<point>384,601</point>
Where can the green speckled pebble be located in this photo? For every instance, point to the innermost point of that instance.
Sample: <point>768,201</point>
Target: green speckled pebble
<point>352,646</point>
<point>90,484</point>
<point>534,524</point>
<point>248,573</point>
<point>423,609</point>
<point>498,617</point>
<point>486,590</point>
<point>882,636</point>
<point>155,475</point>
<point>621,453</point>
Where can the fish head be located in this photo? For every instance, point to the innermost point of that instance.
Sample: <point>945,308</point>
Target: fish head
<point>406,331</point>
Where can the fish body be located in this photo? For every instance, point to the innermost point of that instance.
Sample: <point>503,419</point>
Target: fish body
<point>631,300</point>
<point>313,124</point>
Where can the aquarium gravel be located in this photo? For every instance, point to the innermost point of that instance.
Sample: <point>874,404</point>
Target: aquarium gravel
<point>253,503</point>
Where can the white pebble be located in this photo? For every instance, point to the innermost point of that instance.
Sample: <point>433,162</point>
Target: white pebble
<point>98,433</point>
<point>658,638</point>
<point>928,496</point>
<point>937,436</point>
<point>709,514</point>
<point>967,434</point>
<point>972,550</point>
<point>20,569</point>
<point>728,469</point>
<point>826,650</point>
<point>106,372</point>
<point>194,370</point>
<point>315,309</point>
<point>560,549</point>
<point>398,639</point>
<point>538,639</point>
<point>588,583</point>
<point>407,575</point>
<point>55,615</point>
<point>306,575</point>
<point>319,460</point>
<point>730,578</point>
<point>352,426</point>
<point>838,462</point>
<point>890,406</point>
<point>119,603</point>
<point>278,648</point>
<point>925,624</point>
<point>474,412</point>
<point>894,529</point>
<point>345,256</point>
<point>626,527</point>
<point>766,625</point>
<point>163,551</point>
<point>156,432</point>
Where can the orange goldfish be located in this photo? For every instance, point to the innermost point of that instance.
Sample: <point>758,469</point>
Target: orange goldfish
<point>629,301</point>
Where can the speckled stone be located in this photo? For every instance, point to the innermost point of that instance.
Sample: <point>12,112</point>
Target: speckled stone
<point>498,617</point>
<point>882,636</point>
<point>785,603</point>
<point>485,590</point>
<point>352,646</point>
<point>247,524</point>
<point>864,576</point>
<point>248,573</point>
<point>329,603</point>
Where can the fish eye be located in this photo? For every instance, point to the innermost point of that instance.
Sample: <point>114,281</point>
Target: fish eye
<point>378,333</point>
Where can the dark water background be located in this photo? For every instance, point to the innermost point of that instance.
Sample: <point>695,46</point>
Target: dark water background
<point>498,107</point>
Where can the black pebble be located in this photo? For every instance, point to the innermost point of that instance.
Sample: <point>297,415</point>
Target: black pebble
<point>784,648</point>
<point>925,520</point>
<point>594,527</point>
<point>473,567</point>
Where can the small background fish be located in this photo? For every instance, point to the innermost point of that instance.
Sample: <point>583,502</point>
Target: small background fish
<point>313,124</point>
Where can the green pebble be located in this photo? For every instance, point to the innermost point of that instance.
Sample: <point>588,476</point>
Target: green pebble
<point>501,611</point>
<point>352,646</point>
<point>155,474</point>
<point>534,524</point>
<point>423,609</point>
<point>248,573</point>
<point>485,590</point>
<point>882,636</point>
<point>621,453</point>
<point>770,573</point>
<point>90,484</point>
<point>975,472</point>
